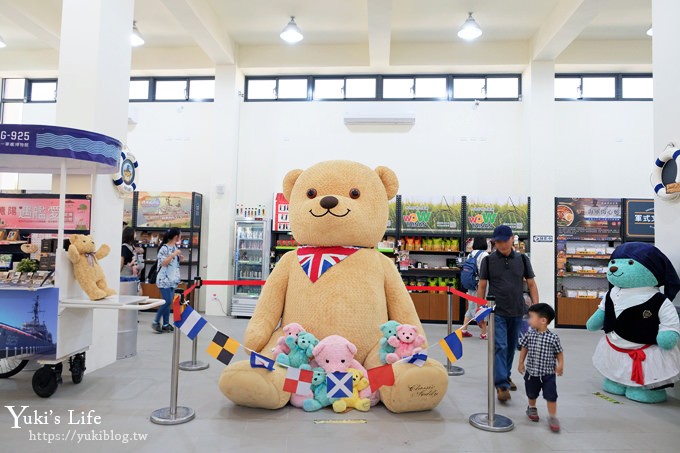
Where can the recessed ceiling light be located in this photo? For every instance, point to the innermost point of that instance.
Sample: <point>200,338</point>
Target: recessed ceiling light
<point>136,38</point>
<point>649,32</point>
<point>2,43</point>
<point>470,29</point>
<point>291,32</point>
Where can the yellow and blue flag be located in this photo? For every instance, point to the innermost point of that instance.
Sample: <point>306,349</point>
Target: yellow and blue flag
<point>453,345</point>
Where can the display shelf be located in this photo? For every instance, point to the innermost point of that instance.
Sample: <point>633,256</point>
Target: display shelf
<point>429,272</point>
<point>583,274</point>
<point>575,311</point>
<point>113,302</point>
<point>431,252</point>
<point>587,257</point>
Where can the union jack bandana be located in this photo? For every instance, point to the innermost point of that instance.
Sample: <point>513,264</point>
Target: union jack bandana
<point>317,260</point>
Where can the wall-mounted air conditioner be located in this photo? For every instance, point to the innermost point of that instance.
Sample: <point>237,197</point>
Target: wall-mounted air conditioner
<point>407,119</point>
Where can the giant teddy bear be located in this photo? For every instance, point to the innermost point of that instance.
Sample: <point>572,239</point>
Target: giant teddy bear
<point>336,284</point>
<point>639,354</point>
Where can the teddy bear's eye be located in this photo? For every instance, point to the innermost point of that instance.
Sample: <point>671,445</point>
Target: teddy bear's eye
<point>342,361</point>
<point>613,261</point>
<point>630,262</point>
<point>354,193</point>
<point>311,193</point>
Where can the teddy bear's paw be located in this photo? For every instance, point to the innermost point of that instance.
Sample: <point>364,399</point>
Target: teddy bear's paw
<point>253,387</point>
<point>311,405</point>
<point>614,388</point>
<point>110,292</point>
<point>339,406</point>
<point>643,395</point>
<point>415,388</point>
<point>363,405</point>
<point>391,358</point>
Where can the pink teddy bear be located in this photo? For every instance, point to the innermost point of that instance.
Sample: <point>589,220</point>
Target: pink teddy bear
<point>406,342</point>
<point>291,330</point>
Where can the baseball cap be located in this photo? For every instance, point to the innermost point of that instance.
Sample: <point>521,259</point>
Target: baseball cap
<point>502,233</point>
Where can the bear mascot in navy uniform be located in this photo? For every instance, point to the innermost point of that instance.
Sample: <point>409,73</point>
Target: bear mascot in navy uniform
<point>639,354</point>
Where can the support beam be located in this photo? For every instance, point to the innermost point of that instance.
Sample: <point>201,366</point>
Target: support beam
<point>563,26</point>
<point>201,21</point>
<point>17,13</point>
<point>379,31</point>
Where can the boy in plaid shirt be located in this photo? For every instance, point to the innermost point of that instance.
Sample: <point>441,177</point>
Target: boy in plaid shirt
<point>542,351</point>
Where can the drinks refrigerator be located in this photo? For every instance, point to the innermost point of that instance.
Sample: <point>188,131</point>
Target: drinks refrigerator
<point>251,262</point>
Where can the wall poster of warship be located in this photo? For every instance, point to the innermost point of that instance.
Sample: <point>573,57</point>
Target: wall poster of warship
<point>28,321</point>
<point>164,210</point>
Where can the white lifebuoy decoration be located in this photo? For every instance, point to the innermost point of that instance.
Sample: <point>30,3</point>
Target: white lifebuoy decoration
<point>124,179</point>
<point>670,191</point>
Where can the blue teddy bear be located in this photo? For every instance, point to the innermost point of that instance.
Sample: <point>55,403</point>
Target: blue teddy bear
<point>319,390</point>
<point>300,351</point>
<point>641,325</point>
<point>389,329</point>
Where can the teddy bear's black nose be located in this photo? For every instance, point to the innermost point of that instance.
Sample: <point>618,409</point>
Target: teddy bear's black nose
<point>613,269</point>
<point>328,202</point>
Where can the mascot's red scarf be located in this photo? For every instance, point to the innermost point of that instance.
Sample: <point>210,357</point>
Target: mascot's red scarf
<point>317,260</point>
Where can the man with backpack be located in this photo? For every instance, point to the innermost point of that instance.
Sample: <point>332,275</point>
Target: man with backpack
<point>469,278</point>
<point>503,273</point>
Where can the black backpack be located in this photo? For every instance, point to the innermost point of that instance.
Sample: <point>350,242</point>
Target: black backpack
<point>153,273</point>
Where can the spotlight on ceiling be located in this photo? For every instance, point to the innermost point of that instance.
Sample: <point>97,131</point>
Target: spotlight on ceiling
<point>291,32</point>
<point>649,32</point>
<point>2,43</point>
<point>136,38</point>
<point>470,30</point>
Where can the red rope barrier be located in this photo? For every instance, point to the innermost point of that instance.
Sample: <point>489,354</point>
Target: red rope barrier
<point>233,282</point>
<point>189,290</point>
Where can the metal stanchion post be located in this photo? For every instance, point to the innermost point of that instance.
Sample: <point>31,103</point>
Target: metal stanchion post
<point>490,421</point>
<point>193,364</point>
<point>173,415</point>
<point>450,367</point>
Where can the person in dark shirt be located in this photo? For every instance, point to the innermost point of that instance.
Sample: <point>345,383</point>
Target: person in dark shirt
<point>503,273</point>
<point>128,254</point>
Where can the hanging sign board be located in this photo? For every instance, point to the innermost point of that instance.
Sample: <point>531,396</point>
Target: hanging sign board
<point>434,214</point>
<point>31,212</point>
<point>639,222</point>
<point>484,214</point>
<point>164,210</point>
<point>588,219</point>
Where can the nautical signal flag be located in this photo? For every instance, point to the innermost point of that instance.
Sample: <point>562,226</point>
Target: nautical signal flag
<point>452,345</point>
<point>339,385</point>
<point>417,359</point>
<point>222,347</point>
<point>298,381</point>
<point>176,309</point>
<point>382,375</point>
<point>260,361</point>
<point>482,312</point>
<point>191,322</point>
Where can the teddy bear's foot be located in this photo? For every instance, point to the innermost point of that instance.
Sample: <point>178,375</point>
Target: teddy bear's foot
<point>339,406</point>
<point>391,358</point>
<point>110,292</point>
<point>415,388</point>
<point>96,294</point>
<point>310,405</point>
<point>643,395</point>
<point>614,388</point>
<point>254,387</point>
<point>363,405</point>
<point>283,359</point>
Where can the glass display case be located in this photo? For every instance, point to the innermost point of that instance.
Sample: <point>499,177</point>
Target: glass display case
<point>251,262</point>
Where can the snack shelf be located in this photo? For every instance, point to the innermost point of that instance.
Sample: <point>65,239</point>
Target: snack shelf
<point>588,256</point>
<point>583,274</point>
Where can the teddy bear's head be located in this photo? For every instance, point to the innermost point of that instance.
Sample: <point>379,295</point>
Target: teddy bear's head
<point>407,333</point>
<point>389,329</point>
<point>319,377</point>
<point>334,353</point>
<point>356,375</point>
<point>629,273</point>
<point>293,330</point>
<point>339,203</point>
<point>306,340</point>
<point>83,243</point>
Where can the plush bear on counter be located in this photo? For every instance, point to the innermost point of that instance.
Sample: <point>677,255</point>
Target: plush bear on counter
<point>389,329</point>
<point>336,283</point>
<point>407,342</point>
<point>86,268</point>
<point>639,354</point>
<point>359,383</point>
<point>301,350</point>
<point>289,330</point>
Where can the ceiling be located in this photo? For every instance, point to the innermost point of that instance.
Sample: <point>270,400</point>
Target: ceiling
<point>352,35</point>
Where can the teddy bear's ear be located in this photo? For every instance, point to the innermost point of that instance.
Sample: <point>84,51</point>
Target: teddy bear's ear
<point>73,238</point>
<point>389,180</point>
<point>318,349</point>
<point>289,182</point>
<point>352,348</point>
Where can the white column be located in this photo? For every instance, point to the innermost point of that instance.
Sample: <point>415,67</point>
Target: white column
<point>94,79</point>
<point>222,170</point>
<point>539,102</point>
<point>666,64</point>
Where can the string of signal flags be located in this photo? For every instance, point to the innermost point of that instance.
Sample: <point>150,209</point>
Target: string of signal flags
<point>222,347</point>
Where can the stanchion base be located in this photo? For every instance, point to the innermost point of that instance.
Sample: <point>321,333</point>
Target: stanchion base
<point>455,371</point>
<point>193,366</point>
<point>163,416</point>
<point>501,423</point>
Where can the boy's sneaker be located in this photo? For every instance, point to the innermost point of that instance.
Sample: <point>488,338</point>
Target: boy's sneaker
<point>482,336</point>
<point>513,387</point>
<point>168,328</point>
<point>554,425</point>
<point>503,394</point>
<point>532,413</point>
<point>156,327</point>
<point>466,334</point>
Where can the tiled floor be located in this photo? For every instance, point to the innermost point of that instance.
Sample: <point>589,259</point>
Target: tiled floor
<point>125,393</point>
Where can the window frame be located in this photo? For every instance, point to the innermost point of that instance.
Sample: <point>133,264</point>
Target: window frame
<point>29,90</point>
<point>639,75</point>
<point>618,85</point>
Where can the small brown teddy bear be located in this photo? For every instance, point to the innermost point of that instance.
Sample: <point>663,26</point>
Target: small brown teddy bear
<point>87,270</point>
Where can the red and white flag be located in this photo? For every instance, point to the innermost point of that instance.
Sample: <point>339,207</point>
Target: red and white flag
<point>298,381</point>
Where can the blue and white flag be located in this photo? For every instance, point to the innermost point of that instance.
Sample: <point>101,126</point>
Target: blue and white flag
<point>191,323</point>
<point>417,359</point>
<point>339,385</point>
<point>260,361</point>
<point>482,312</point>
